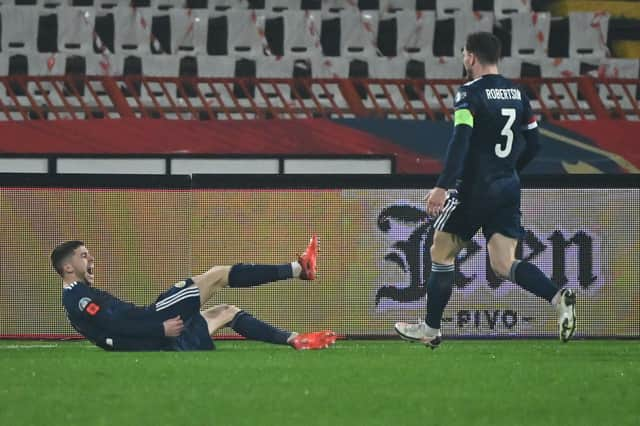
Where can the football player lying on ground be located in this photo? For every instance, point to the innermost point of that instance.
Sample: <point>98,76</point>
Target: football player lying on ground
<point>174,321</point>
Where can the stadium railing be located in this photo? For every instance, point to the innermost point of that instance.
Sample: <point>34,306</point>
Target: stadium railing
<point>188,98</point>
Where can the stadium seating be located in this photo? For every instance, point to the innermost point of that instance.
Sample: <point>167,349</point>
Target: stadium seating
<point>530,34</point>
<point>188,31</point>
<point>415,33</point>
<point>18,25</point>
<point>76,26</point>
<point>588,34</point>
<point>302,38</point>
<point>554,68</point>
<point>133,29</point>
<point>506,8</point>
<point>450,8</point>
<point>302,32</point>
<point>358,32</point>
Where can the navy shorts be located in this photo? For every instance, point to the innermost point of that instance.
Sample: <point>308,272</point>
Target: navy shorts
<point>494,215</point>
<point>183,299</point>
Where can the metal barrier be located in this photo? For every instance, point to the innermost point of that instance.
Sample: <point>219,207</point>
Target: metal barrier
<point>194,98</point>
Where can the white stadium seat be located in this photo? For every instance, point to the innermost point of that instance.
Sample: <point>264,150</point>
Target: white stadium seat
<point>450,8</point>
<point>281,5</point>
<point>359,32</point>
<point>188,31</point>
<point>530,34</point>
<point>618,68</point>
<point>19,26</point>
<point>228,4</point>
<point>246,32</point>
<point>389,6</point>
<point>560,67</point>
<point>588,34</point>
<point>132,30</point>
<point>415,32</point>
<point>439,69</point>
<point>506,8</point>
<point>76,26</point>
<point>302,32</point>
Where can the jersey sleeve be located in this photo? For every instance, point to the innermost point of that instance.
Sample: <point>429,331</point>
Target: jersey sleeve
<point>90,306</point>
<point>460,140</point>
<point>464,107</point>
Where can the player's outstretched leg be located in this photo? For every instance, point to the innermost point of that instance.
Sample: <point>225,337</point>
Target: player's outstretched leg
<point>531,278</point>
<point>250,275</point>
<point>252,328</point>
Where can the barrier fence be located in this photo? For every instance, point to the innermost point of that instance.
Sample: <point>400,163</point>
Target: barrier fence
<point>195,98</point>
<point>149,232</point>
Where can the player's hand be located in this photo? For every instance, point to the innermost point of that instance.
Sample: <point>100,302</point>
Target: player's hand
<point>173,327</point>
<point>435,201</point>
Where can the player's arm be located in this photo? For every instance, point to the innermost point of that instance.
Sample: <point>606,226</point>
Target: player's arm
<point>90,307</point>
<point>457,149</point>
<point>456,153</point>
<point>531,137</point>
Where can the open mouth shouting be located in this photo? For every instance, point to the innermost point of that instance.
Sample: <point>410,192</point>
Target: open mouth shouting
<point>89,273</point>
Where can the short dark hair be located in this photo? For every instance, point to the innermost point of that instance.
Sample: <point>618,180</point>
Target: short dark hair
<point>60,254</point>
<point>485,46</point>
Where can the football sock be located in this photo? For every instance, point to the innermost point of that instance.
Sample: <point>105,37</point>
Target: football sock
<point>438,292</point>
<point>296,268</point>
<point>249,275</point>
<point>252,328</point>
<point>532,279</point>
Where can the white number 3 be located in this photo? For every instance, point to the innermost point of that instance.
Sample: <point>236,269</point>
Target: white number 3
<point>510,113</point>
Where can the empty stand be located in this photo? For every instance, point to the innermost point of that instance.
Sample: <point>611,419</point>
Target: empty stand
<point>19,26</point>
<point>246,32</point>
<point>188,31</point>
<point>588,34</point>
<point>415,32</point>
<point>530,34</point>
<point>132,30</point>
<point>359,31</point>
<point>302,32</point>
<point>450,8</point>
<point>506,8</point>
<point>76,29</point>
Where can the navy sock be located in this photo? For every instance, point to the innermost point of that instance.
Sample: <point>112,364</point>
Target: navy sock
<point>252,328</point>
<point>439,289</point>
<point>532,279</point>
<point>249,275</point>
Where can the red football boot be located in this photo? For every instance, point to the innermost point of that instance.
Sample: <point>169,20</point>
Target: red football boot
<point>308,260</point>
<point>314,340</point>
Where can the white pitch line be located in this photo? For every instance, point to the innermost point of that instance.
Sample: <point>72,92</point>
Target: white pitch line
<point>48,346</point>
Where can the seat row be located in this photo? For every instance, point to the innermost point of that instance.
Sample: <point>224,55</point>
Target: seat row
<point>52,64</point>
<point>443,8</point>
<point>124,29</point>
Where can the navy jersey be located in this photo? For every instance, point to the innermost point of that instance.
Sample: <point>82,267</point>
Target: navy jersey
<point>110,323</point>
<point>498,112</point>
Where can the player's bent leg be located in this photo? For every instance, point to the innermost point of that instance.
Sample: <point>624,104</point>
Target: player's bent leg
<point>444,250</point>
<point>446,247</point>
<point>211,281</point>
<point>219,316</point>
<point>502,254</point>
<point>528,276</point>
<point>252,328</point>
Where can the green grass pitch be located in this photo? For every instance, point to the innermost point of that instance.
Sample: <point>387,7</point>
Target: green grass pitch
<point>388,382</point>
